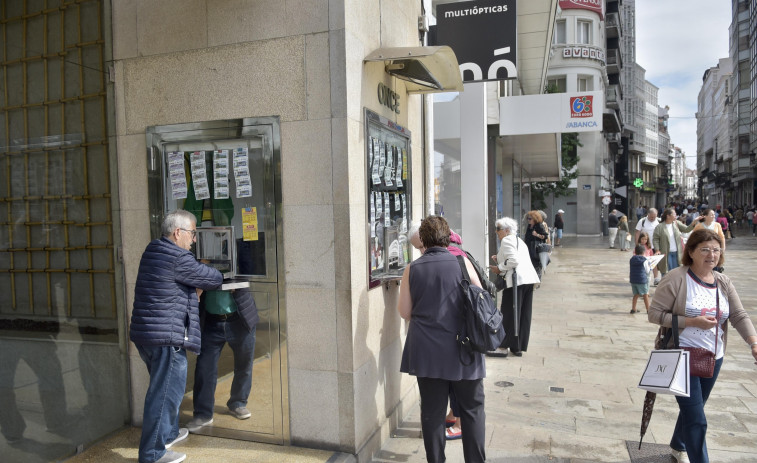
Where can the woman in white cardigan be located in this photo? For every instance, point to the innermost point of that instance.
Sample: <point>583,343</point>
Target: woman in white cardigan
<point>513,256</point>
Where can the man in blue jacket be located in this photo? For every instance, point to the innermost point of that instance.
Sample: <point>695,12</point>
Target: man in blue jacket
<point>165,323</point>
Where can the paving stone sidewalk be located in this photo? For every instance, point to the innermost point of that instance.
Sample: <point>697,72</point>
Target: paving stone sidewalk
<point>573,397</point>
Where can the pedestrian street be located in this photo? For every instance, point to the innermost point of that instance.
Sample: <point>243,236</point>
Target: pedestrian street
<point>573,396</point>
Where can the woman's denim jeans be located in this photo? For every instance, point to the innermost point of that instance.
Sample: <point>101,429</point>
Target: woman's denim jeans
<point>672,260</point>
<point>215,334</point>
<point>167,367</point>
<point>691,427</point>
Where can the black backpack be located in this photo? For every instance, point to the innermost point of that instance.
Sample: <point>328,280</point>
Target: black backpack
<point>482,330</point>
<point>485,282</point>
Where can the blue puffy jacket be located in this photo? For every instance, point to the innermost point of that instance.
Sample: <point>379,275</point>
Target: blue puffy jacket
<point>165,301</point>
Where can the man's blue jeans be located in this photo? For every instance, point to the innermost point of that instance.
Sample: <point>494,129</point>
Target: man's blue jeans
<point>215,334</point>
<point>691,427</point>
<point>167,367</point>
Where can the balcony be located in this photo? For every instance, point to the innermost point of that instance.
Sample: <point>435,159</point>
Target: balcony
<point>649,159</point>
<point>614,61</point>
<point>612,96</point>
<point>612,25</point>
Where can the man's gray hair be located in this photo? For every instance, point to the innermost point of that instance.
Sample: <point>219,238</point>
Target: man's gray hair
<point>177,219</point>
<point>651,210</point>
<point>507,224</point>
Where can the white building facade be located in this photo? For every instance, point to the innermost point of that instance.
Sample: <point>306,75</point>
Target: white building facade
<point>713,133</point>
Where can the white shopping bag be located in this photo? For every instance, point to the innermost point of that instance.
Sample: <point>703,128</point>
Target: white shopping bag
<point>667,372</point>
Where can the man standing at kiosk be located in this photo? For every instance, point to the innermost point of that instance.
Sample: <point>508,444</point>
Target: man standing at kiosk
<point>226,317</point>
<point>165,323</point>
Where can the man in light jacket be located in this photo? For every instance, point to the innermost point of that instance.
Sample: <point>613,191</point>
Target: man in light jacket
<point>165,323</point>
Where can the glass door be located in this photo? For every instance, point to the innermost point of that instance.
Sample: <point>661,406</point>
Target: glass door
<point>225,173</point>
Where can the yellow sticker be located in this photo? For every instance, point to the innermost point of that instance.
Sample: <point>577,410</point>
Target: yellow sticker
<point>249,224</point>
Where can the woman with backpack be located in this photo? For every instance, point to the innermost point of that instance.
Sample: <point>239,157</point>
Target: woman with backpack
<point>432,300</point>
<point>513,259</point>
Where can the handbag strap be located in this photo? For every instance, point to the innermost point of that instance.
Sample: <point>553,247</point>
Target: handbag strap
<point>717,313</point>
<point>674,331</point>
<point>461,261</point>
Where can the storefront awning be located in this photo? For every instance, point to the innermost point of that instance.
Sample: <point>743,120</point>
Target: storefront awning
<point>538,154</point>
<point>426,69</point>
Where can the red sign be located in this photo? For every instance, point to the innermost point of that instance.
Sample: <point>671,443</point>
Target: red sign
<point>582,106</point>
<point>593,5</point>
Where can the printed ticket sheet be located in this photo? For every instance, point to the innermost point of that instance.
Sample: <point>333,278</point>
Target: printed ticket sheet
<point>242,173</point>
<point>387,211</point>
<point>400,170</point>
<point>375,177</point>
<point>372,210</point>
<point>176,173</point>
<point>199,175</point>
<point>404,214</point>
<point>221,174</point>
<point>249,224</point>
<point>389,165</point>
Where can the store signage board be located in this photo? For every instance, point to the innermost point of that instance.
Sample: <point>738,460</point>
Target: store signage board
<point>483,35</point>
<point>551,113</point>
<point>591,5</point>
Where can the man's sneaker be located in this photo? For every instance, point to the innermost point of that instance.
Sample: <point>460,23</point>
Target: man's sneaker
<point>656,281</point>
<point>172,457</point>
<point>198,422</point>
<point>241,412</point>
<point>183,433</point>
<point>680,456</point>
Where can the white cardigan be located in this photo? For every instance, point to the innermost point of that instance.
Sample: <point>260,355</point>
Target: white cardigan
<point>513,254</point>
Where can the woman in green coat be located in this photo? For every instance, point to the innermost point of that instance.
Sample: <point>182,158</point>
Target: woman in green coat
<point>667,240</point>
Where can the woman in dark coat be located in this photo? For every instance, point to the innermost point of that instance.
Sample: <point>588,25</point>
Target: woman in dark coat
<point>536,233</point>
<point>432,300</point>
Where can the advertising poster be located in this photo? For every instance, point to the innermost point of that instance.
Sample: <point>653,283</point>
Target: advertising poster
<point>249,224</point>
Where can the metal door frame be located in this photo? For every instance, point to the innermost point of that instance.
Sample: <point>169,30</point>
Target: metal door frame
<point>243,128</point>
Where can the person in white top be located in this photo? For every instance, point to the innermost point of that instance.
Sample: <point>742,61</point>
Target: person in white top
<point>512,257</point>
<point>648,224</point>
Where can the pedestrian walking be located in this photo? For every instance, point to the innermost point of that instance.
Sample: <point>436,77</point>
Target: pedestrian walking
<point>612,224</point>
<point>667,240</point>
<point>432,300</point>
<point>624,234</point>
<point>648,225</point>
<point>701,300</point>
<point>558,226</point>
<point>517,297</point>
<point>165,323</point>
<point>639,277</point>
<point>536,235</point>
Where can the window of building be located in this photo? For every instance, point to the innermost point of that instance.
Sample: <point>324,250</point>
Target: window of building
<point>583,32</point>
<point>557,85</point>
<point>559,35</point>
<point>585,84</point>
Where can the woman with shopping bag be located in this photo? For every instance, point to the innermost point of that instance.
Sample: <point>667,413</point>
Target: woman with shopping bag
<point>700,300</point>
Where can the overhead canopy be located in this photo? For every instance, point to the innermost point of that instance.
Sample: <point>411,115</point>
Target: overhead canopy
<point>426,69</point>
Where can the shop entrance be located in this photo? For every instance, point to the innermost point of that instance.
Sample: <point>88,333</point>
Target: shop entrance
<point>227,173</point>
